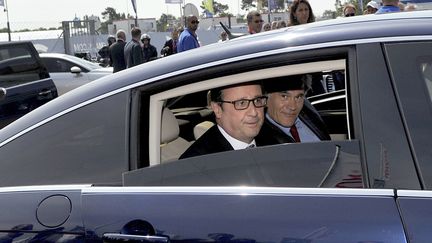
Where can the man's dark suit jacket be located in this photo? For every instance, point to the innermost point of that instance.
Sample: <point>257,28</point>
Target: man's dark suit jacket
<point>212,141</point>
<point>271,134</point>
<point>170,50</point>
<point>133,54</point>
<point>117,56</point>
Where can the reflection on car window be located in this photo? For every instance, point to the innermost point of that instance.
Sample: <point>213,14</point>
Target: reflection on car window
<point>426,69</point>
<point>57,66</point>
<point>17,66</point>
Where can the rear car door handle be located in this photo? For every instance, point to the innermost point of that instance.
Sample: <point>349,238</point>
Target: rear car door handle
<point>44,93</point>
<point>142,238</point>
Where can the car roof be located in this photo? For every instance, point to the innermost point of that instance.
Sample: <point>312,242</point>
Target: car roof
<point>342,31</point>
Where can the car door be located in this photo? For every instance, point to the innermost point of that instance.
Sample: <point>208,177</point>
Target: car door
<point>411,68</point>
<point>25,80</point>
<point>41,214</point>
<point>416,213</point>
<point>240,214</point>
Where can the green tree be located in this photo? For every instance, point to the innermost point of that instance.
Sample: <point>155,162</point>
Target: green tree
<point>219,9</point>
<point>109,15</point>
<point>165,21</point>
<point>251,4</point>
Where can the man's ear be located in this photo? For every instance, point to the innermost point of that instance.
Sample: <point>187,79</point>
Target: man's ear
<point>217,109</point>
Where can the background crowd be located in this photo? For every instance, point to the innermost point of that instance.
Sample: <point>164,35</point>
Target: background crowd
<point>122,54</point>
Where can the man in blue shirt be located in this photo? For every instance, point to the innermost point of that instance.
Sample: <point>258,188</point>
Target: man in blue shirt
<point>389,6</point>
<point>188,38</point>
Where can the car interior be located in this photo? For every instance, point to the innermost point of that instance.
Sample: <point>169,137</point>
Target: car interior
<point>183,113</point>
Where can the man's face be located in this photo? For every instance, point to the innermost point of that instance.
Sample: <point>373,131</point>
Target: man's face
<point>284,107</point>
<point>349,12</point>
<point>371,10</point>
<point>193,23</point>
<point>245,124</point>
<point>302,13</point>
<point>256,24</point>
<point>175,35</point>
<point>145,41</point>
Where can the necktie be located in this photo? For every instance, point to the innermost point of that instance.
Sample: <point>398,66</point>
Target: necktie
<point>294,133</point>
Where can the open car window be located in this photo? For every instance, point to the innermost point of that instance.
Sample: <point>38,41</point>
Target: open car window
<point>178,116</point>
<point>195,111</point>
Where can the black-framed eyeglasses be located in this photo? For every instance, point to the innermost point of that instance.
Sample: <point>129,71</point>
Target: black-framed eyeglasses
<point>243,104</point>
<point>259,21</point>
<point>195,22</point>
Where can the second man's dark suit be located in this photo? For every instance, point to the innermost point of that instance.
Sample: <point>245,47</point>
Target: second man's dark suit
<point>117,56</point>
<point>133,54</point>
<point>212,141</point>
<point>271,134</point>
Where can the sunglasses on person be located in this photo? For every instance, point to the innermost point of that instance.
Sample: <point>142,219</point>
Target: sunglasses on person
<point>195,22</point>
<point>258,21</point>
<point>349,14</point>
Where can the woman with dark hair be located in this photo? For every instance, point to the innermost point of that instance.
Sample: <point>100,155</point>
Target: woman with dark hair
<point>301,13</point>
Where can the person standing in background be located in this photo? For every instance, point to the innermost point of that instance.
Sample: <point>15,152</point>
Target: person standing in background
<point>254,22</point>
<point>188,38</point>
<point>389,6</point>
<point>149,51</point>
<point>170,46</point>
<point>133,51</point>
<point>301,13</point>
<point>117,58</point>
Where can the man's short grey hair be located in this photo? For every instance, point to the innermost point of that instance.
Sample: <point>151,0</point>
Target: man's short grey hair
<point>121,34</point>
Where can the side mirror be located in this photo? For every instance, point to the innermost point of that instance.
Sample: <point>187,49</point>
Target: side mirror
<point>75,70</point>
<point>2,93</point>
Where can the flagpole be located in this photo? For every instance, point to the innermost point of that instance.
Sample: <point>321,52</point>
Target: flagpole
<point>7,19</point>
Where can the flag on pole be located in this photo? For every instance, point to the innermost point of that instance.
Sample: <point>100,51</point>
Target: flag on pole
<point>133,5</point>
<point>2,3</point>
<point>208,5</point>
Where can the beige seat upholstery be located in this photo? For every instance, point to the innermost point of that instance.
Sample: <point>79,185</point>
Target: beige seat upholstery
<point>201,128</point>
<point>172,146</point>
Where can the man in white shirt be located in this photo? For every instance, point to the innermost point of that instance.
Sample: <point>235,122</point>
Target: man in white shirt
<point>239,114</point>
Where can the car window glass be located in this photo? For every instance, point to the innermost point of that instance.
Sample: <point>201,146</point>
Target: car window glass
<point>411,69</point>
<point>426,69</point>
<point>77,147</point>
<point>17,66</point>
<point>57,65</point>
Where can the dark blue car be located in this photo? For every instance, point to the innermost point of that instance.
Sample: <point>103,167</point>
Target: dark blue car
<point>24,81</point>
<point>101,163</point>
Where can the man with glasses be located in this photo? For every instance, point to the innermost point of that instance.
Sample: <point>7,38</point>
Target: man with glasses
<point>188,38</point>
<point>290,118</point>
<point>254,22</point>
<point>239,114</point>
